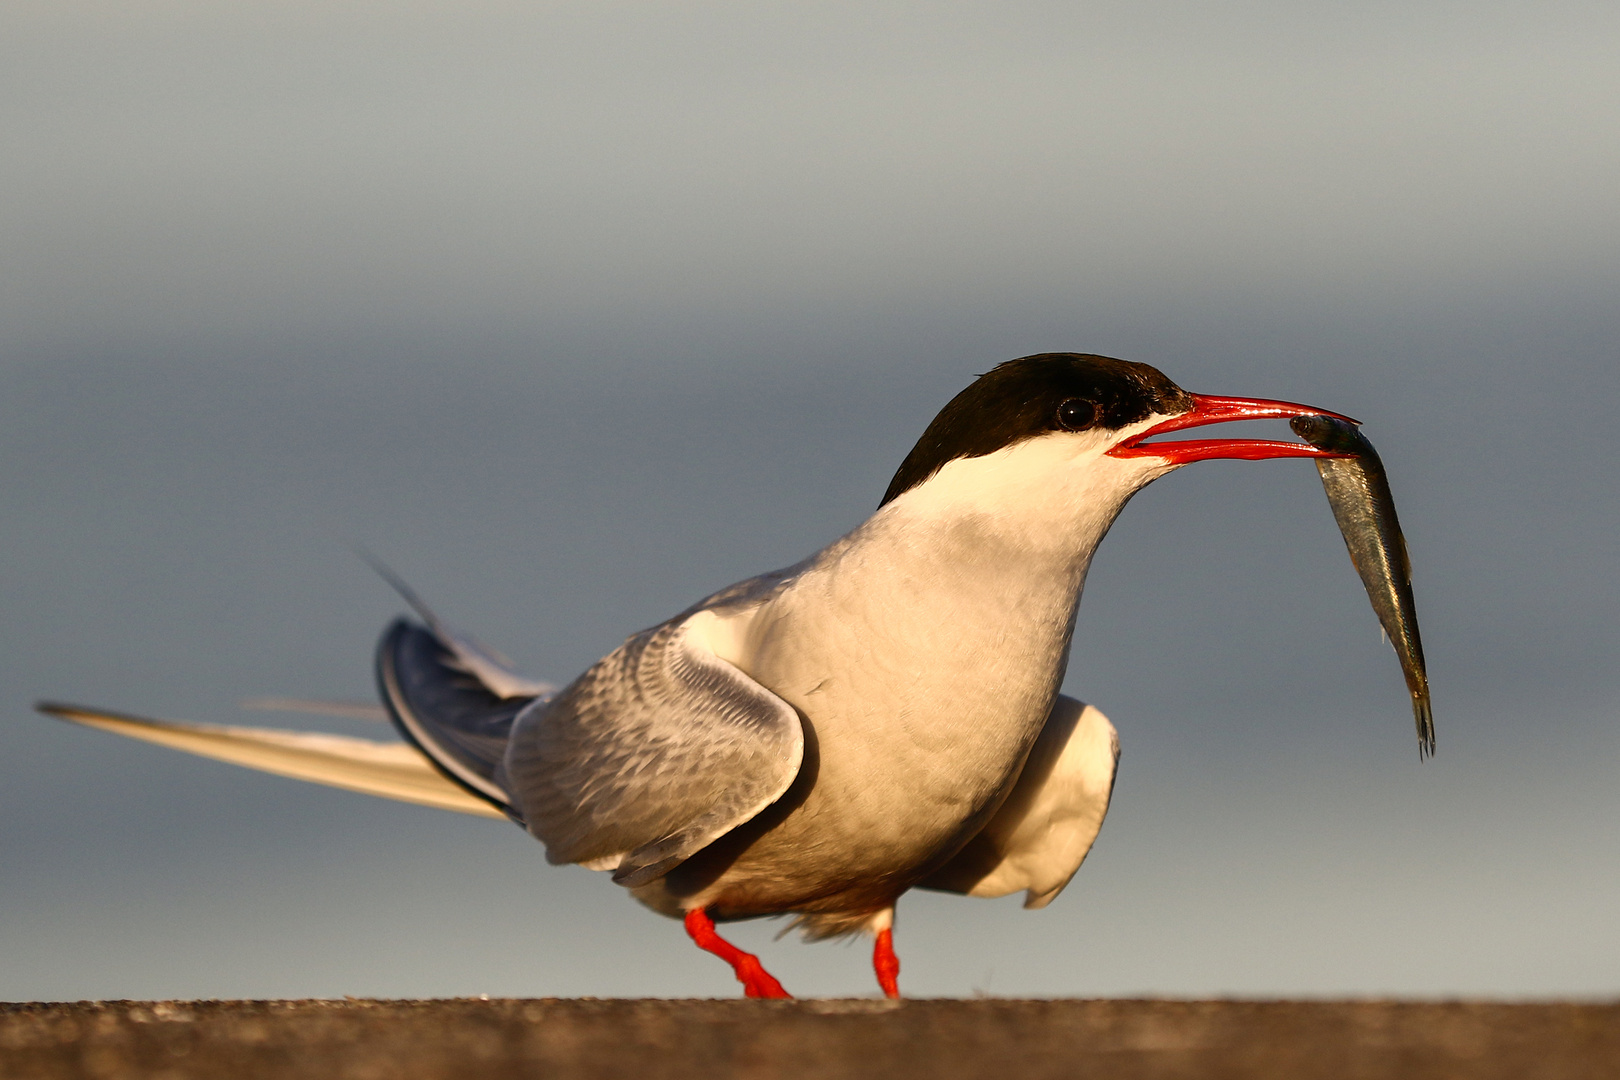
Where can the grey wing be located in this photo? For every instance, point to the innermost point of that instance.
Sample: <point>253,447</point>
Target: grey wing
<point>1042,832</point>
<point>492,670</point>
<point>658,750</point>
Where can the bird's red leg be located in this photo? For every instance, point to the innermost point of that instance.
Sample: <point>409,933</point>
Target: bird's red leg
<point>886,964</point>
<point>757,982</point>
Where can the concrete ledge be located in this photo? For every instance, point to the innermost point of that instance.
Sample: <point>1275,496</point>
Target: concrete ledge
<point>658,1039</point>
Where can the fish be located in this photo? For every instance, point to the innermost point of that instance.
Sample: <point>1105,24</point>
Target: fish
<point>1358,491</point>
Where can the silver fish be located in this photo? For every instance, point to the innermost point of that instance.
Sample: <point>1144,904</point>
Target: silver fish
<point>1358,490</point>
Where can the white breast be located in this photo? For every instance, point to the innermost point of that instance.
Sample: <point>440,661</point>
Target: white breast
<point>926,648</point>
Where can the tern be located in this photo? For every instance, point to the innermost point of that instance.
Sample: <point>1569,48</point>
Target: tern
<point>815,741</point>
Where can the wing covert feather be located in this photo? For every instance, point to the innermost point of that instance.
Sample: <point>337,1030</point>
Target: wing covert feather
<point>659,749</point>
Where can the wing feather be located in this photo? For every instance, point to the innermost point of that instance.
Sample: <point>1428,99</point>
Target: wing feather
<point>483,663</point>
<point>658,750</point>
<point>1045,828</point>
<point>390,770</point>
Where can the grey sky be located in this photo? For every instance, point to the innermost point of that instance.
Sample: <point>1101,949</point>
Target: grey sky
<point>576,312</point>
<point>310,163</point>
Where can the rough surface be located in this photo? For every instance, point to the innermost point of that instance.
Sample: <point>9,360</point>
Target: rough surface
<point>941,1040</point>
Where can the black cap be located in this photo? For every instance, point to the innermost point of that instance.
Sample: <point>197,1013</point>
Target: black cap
<point>1035,395</point>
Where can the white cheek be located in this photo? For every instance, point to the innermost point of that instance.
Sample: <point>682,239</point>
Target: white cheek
<point>1052,482</point>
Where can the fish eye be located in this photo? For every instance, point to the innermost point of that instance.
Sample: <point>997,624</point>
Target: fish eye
<point>1076,414</point>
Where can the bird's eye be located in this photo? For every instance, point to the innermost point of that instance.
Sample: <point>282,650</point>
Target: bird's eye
<point>1076,414</point>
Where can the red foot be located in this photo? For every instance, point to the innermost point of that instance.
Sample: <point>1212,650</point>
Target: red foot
<point>886,964</point>
<point>757,982</point>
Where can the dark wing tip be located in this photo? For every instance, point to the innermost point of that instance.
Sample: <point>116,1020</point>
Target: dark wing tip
<point>460,727</point>
<point>64,711</point>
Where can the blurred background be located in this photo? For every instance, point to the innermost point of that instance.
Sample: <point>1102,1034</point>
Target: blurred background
<point>574,312</point>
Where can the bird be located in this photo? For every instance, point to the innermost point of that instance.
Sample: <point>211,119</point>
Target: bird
<point>818,740</point>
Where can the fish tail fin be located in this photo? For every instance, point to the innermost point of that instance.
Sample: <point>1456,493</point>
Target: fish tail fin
<point>1424,715</point>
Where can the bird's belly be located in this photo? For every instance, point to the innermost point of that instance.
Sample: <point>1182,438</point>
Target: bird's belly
<point>924,663</point>
<point>899,772</point>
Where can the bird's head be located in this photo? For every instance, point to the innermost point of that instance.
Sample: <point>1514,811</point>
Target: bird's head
<point>1063,434</point>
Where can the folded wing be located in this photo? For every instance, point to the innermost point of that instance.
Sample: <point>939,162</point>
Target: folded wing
<point>447,711</point>
<point>658,750</point>
<point>1041,834</point>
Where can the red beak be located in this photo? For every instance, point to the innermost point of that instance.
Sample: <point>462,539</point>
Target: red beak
<point>1220,410</point>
